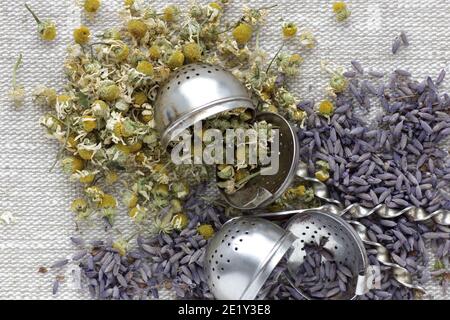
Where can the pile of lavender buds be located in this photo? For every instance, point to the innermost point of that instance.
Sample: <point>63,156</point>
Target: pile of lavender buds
<point>318,277</point>
<point>168,261</point>
<point>397,160</point>
<point>404,240</point>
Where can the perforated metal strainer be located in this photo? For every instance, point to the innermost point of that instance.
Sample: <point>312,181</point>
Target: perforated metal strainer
<point>312,227</point>
<point>263,190</point>
<point>196,92</point>
<point>242,255</point>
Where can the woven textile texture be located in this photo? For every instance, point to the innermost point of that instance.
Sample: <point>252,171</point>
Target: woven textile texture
<point>39,199</point>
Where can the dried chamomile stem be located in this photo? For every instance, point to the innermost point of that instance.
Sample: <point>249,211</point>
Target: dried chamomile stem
<point>47,29</point>
<point>17,93</point>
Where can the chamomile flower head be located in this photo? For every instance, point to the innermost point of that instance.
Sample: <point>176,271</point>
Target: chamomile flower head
<point>139,98</point>
<point>79,205</point>
<point>289,30</point>
<point>100,109</point>
<point>81,35</point>
<point>338,83</point>
<point>180,221</point>
<point>17,95</point>
<point>72,164</point>
<point>170,13</point>
<point>192,52</point>
<point>91,6</point>
<point>341,11</point>
<point>137,28</point>
<point>109,91</point>
<point>307,39</point>
<point>325,108</point>
<point>154,52</point>
<point>206,231</point>
<point>243,33</point>
<point>176,60</point>
<point>145,67</point>
<point>46,29</point>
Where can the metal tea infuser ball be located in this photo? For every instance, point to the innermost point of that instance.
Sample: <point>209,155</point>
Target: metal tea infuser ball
<point>242,255</point>
<point>196,92</point>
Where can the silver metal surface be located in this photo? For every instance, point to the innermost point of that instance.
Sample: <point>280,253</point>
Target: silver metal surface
<point>263,190</point>
<point>242,255</point>
<point>196,92</point>
<point>343,242</point>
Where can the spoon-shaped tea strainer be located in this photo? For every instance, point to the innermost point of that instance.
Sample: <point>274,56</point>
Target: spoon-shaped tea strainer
<point>242,255</point>
<point>196,92</point>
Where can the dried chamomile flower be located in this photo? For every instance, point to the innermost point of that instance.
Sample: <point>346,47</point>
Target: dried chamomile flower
<point>206,231</point>
<point>307,40</point>
<point>162,224</point>
<point>139,98</point>
<point>109,91</point>
<point>322,176</point>
<point>289,30</point>
<point>79,205</point>
<point>91,6</point>
<point>325,108</point>
<point>289,64</point>
<point>154,52</point>
<point>137,28</point>
<point>170,13</point>
<point>120,51</point>
<point>81,35</point>
<point>45,97</point>
<point>145,67</point>
<point>17,93</point>
<point>192,52</point>
<point>94,193</point>
<point>112,34</point>
<point>341,10</point>
<point>180,221</point>
<point>243,33</point>
<point>176,60</point>
<point>46,29</point>
<point>89,123</point>
<point>100,109</point>
<point>72,165</point>
<point>108,201</point>
<point>121,246</point>
<point>338,83</point>
<point>84,176</point>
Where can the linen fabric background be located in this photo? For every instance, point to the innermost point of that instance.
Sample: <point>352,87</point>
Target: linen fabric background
<point>40,199</point>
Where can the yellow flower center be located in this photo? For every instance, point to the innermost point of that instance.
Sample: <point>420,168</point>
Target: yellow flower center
<point>137,28</point>
<point>91,6</point>
<point>243,33</point>
<point>81,35</point>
